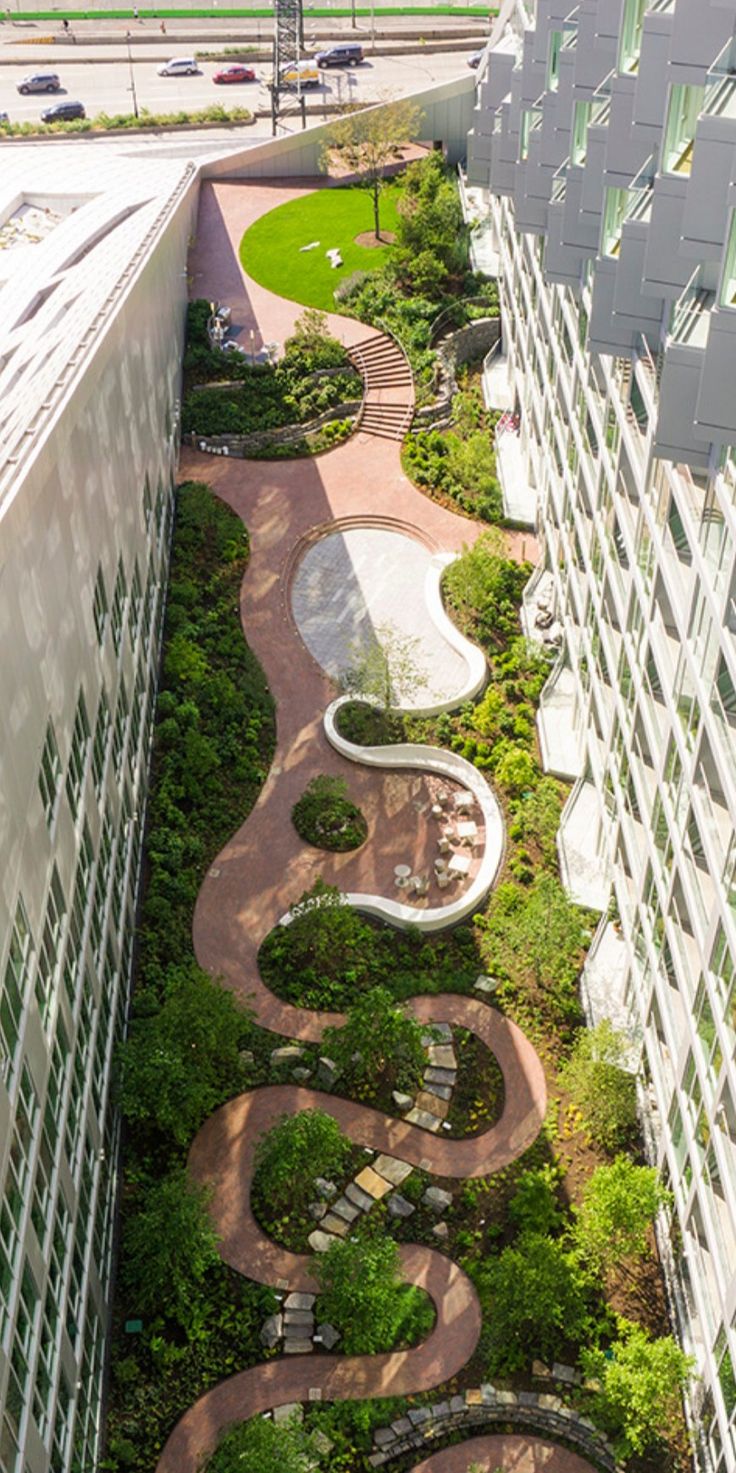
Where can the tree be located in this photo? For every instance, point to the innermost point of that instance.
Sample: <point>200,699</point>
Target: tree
<point>363,1294</point>
<point>619,1204</point>
<point>534,1298</point>
<point>325,939</point>
<point>642,1381</point>
<point>297,1149</point>
<point>366,142</point>
<point>485,587</point>
<point>184,1061</point>
<point>261,1446</point>
<point>536,930</point>
<point>385,668</point>
<point>602,1089</point>
<point>534,1206</point>
<point>169,1244</point>
<point>379,1043</point>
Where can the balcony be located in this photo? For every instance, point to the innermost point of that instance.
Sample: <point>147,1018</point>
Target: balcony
<point>604,979</point>
<point>560,738</point>
<point>583,867</point>
<point>519,498</point>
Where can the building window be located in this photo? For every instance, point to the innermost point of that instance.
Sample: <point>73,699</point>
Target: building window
<point>77,755</point>
<point>553,60</point>
<point>99,744</point>
<point>100,606</point>
<point>120,729</point>
<point>614,214</point>
<point>136,596</point>
<point>727,294</point>
<point>631,32</point>
<point>685,105</point>
<point>118,607</point>
<point>581,121</point>
<point>48,954</point>
<point>14,993</point>
<point>49,776</point>
<point>147,503</point>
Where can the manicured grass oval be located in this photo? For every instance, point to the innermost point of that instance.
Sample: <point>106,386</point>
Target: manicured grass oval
<point>271,249</point>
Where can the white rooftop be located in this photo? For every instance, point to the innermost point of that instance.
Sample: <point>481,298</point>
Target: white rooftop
<point>75,223</point>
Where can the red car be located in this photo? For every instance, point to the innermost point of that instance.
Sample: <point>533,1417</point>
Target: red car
<point>235,74</point>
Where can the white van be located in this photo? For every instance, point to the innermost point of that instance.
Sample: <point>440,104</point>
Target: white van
<point>179,66</point>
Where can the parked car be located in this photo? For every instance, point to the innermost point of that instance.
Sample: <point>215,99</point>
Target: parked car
<point>349,54</point>
<point>63,112</point>
<point>235,73</point>
<point>40,82</point>
<point>301,74</point>
<point>476,57</point>
<point>179,66</point>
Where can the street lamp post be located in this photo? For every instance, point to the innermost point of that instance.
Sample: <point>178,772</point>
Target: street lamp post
<point>131,89</point>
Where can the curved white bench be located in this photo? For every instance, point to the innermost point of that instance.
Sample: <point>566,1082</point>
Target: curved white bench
<point>413,756</point>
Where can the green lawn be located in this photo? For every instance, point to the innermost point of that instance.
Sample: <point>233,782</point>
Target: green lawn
<point>270,250</point>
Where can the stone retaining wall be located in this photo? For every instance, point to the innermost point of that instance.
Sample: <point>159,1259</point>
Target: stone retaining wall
<point>457,348</point>
<point>244,446</point>
<point>484,1408</point>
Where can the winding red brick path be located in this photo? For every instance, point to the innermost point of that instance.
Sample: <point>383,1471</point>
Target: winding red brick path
<point>265,868</point>
<point>509,1451</point>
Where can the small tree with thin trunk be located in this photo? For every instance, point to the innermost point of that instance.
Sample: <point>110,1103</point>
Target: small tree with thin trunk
<point>367,141</point>
<point>385,668</point>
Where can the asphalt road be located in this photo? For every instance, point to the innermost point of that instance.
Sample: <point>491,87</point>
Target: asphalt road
<point>106,88</point>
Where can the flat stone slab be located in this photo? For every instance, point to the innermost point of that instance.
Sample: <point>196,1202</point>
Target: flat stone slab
<point>402,1101</point>
<point>319,1242</point>
<point>334,1224</point>
<point>392,1169</point>
<point>440,1033</point>
<point>441,1231</point>
<point>297,1300</point>
<point>272,1330</point>
<point>288,1054</point>
<point>432,1104</point>
<point>361,1199</point>
<point>343,1208</point>
<point>473,1397</point>
<point>442,1056</point>
<point>369,1181</point>
<point>298,1347</point>
<point>329,1337</point>
<point>324,1187</point>
<point>419,1415</point>
<point>294,1319</point>
<point>401,1426</point>
<point>485,984</point>
<point>423,1119</point>
<point>437,1200</point>
<point>442,1091</point>
<point>317,1210</point>
<point>383,1436</point>
<point>291,1411</point>
<point>440,1076</point>
<point>399,1207</point>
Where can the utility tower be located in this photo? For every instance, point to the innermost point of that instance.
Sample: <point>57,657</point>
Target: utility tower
<point>288,46</point>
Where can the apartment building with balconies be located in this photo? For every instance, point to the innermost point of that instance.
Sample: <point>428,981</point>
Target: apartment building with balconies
<point>603,151</point>
<point>92,299</point>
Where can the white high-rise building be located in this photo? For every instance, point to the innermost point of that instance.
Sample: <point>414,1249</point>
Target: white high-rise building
<point>92,295</point>
<point>603,160</point>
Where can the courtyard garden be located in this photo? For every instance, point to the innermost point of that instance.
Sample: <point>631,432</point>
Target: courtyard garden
<point>261,1097</point>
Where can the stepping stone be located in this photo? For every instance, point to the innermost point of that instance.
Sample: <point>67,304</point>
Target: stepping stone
<point>298,1347</point>
<point>289,1054</point>
<point>401,1426</point>
<point>296,1300</point>
<point>457,1404</point>
<point>383,1436</point>
<point>359,1197</point>
<point>441,1056</point>
<point>325,1188</point>
<point>317,1210</point>
<point>419,1415</point>
<point>436,1200</point>
<point>441,1033</point>
<point>442,1091</point>
<point>319,1440</point>
<point>440,1409</point>
<point>392,1169</point>
<point>370,1182</point>
<point>440,1076</point>
<point>441,1231</point>
<point>567,1374</point>
<point>329,1337</point>
<point>473,1397</point>
<point>402,1101</point>
<point>301,1075</point>
<point>319,1242</point>
<point>294,1319</point>
<point>334,1224</point>
<point>246,1056</point>
<point>399,1207</point>
<point>423,1119</point>
<point>291,1411</point>
<point>272,1331</point>
<point>540,1370</point>
<point>327,1073</point>
<point>488,1393</point>
<point>432,1104</point>
<point>343,1208</point>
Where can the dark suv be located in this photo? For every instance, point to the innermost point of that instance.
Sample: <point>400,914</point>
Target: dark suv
<point>63,112</point>
<point>348,55</point>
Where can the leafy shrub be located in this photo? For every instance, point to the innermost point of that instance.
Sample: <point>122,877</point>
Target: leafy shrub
<point>641,1380</point>
<point>618,1208</point>
<point>297,1149</point>
<point>324,816</point>
<point>534,1207</point>
<point>261,1446</point>
<point>378,1044</point>
<point>602,1089</point>
<point>534,1297</point>
<point>364,1297</point>
<point>168,1246</point>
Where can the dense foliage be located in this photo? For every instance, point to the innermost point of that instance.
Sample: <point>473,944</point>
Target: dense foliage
<point>294,1151</point>
<point>535,1301</point>
<point>601,1087</point>
<point>459,463</point>
<point>618,1208</point>
<point>261,1446</point>
<point>213,741</point>
<point>313,375</point>
<point>325,816</point>
<point>364,1296</point>
<point>641,1383</point>
<point>378,1046</point>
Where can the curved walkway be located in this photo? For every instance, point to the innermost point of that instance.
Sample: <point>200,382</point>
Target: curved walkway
<point>512,1453</point>
<point>264,869</point>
